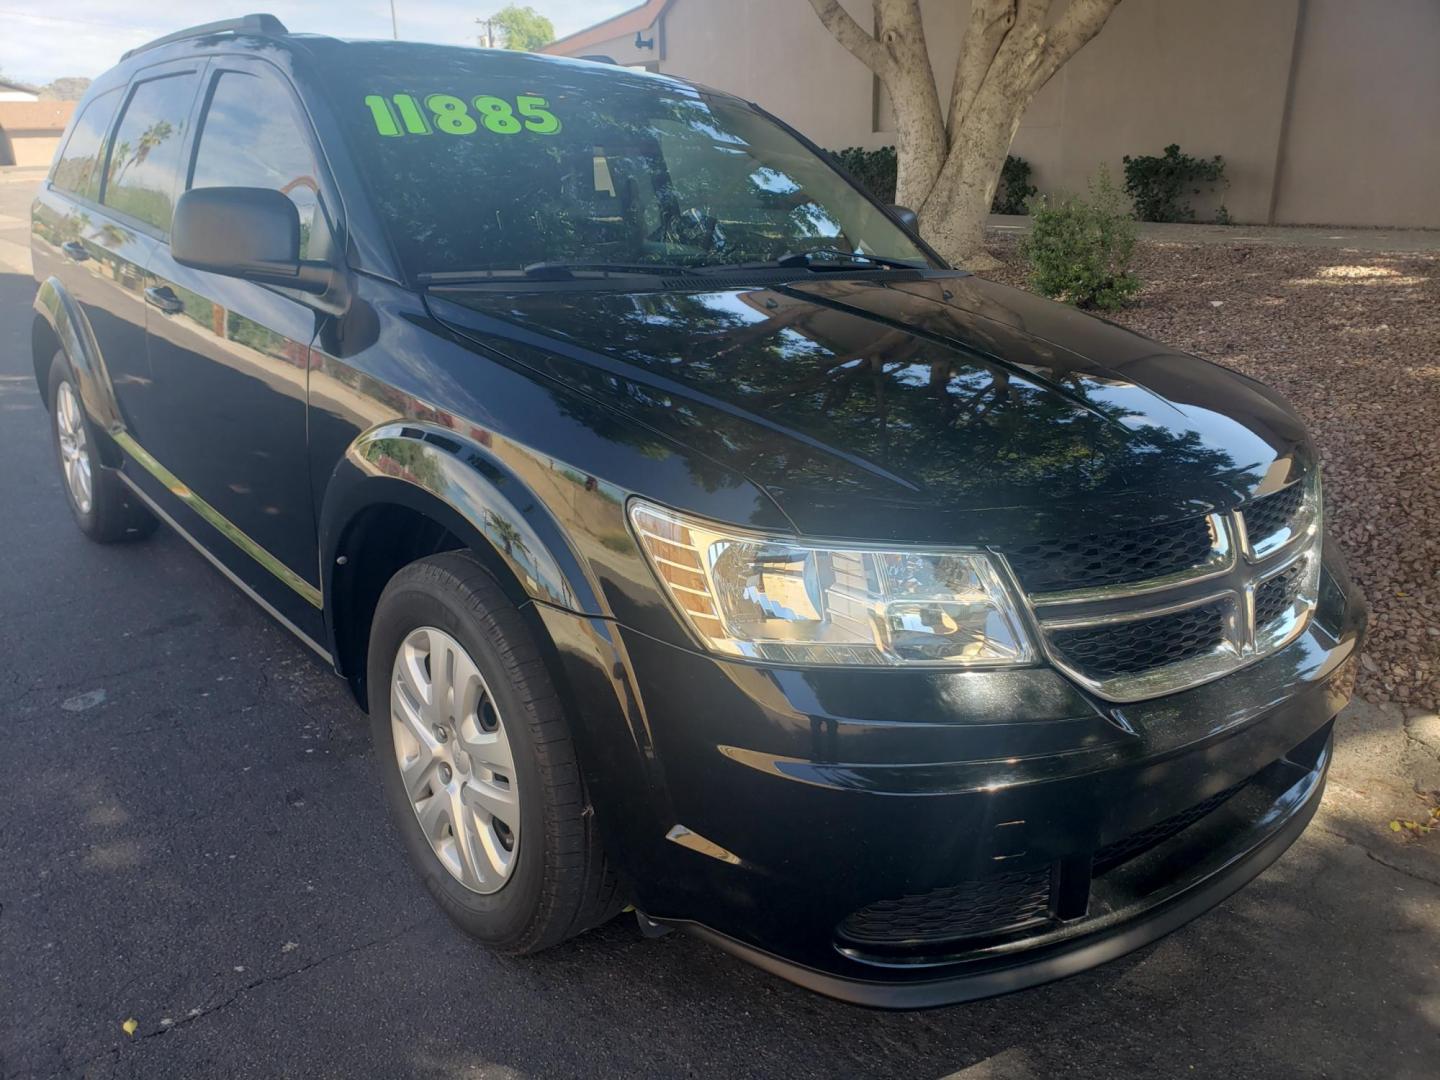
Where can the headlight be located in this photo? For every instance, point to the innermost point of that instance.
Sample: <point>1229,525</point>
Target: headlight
<point>775,599</point>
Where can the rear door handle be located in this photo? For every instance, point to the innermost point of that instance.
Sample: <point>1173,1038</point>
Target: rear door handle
<point>76,250</point>
<point>160,296</point>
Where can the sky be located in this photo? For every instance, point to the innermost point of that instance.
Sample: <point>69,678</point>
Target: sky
<point>39,43</point>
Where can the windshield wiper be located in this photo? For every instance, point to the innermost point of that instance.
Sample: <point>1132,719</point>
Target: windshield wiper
<point>819,256</point>
<point>553,271</point>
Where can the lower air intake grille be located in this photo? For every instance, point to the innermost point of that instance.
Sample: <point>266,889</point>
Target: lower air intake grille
<point>1113,558</point>
<point>971,909</point>
<point>1127,648</point>
<point>1276,596</point>
<point>1128,847</point>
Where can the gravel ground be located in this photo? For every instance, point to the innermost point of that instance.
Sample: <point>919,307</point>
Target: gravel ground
<point>1353,340</point>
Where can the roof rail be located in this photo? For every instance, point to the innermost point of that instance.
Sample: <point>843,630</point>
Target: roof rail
<point>264,25</point>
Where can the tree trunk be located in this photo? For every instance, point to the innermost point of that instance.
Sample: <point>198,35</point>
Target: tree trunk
<point>949,166</point>
<point>953,218</point>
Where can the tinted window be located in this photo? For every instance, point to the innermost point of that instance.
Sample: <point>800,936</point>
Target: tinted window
<point>78,169</point>
<point>145,160</point>
<point>478,160</point>
<point>251,137</point>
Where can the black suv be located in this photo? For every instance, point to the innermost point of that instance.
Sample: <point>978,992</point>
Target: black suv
<point>696,539</point>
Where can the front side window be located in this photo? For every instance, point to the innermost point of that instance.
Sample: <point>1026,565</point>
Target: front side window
<point>78,170</point>
<point>145,160</point>
<point>481,162</point>
<point>251,137</point>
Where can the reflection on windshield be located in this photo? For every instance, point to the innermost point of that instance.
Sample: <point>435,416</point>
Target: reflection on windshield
<point>631,170</point>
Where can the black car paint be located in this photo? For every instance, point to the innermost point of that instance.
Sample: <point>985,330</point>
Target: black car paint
<point>756,803</point>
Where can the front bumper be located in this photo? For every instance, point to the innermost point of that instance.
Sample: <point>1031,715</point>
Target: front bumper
<point>1130,906</point>
<point>843,829</point>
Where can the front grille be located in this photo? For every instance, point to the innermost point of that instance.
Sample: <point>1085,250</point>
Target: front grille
<point>1271,513</point>
<point>1113,558</point>
<point>971,909</point>
<point>1128,847</point>
<point>1277,596</point>
<point>1128,648</point>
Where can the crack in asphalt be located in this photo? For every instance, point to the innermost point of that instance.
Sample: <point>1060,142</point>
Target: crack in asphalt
<point>267,980</point>
<point>1377,859</point>
<point>1420,740</point>
<point>114,1052</point>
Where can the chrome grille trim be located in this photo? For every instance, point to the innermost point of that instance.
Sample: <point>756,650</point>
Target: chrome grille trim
<point>1221,560</point>
<point>1265,544</point>
<point>1236,568</point>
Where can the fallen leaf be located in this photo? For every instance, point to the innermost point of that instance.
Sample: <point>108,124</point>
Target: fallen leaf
<point>129,1026</point>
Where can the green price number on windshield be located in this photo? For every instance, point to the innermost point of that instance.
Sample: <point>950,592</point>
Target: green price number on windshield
<point>402,114</point>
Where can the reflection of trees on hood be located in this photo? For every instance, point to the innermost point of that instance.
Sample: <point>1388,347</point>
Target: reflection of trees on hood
<point>944,419</point>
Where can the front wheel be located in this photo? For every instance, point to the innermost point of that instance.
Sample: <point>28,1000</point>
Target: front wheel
<point>478,764</point>
<point>103,506</point>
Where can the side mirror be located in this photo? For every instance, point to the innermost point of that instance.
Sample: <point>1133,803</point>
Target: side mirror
<point>906,217</point>
<point>250,233</point>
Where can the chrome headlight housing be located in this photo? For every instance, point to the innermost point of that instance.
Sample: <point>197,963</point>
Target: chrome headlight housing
<point>794,602</point>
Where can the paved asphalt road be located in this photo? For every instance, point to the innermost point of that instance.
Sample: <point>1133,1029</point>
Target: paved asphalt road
<point>191,835</point>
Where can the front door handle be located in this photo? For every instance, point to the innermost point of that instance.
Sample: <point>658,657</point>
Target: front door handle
<point>160,296</point>
<point>76,250</point>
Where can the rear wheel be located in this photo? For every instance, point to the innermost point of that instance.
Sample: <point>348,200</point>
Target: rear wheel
<point>104,508</point>
<point>478,763</point>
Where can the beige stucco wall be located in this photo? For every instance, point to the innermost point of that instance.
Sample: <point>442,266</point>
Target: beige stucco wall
<point>623,51</point>
<point>771,53</point>
<point>1209,76</point>
<point>1362,146</point>
<point>23,148</point>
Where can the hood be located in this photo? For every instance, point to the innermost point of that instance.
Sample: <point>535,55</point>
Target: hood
<point>938,408</point>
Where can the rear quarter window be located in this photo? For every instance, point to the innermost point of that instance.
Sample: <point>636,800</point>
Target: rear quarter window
<point>78,170</point>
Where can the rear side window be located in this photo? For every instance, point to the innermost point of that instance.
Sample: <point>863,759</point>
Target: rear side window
<point>78,170</point>
<point>251,136</point>
<point>145,159</point>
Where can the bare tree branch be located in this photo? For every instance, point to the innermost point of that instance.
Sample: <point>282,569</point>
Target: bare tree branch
<point>1082,20</point>
<point>990,21</point>
<point>852,35</point>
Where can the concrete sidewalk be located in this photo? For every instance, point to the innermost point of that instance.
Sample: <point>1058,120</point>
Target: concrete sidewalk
<point>1305,236</point>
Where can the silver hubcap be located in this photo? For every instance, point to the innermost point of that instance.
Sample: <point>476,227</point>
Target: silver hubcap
<point>455,759</point>
<point>74,448</point>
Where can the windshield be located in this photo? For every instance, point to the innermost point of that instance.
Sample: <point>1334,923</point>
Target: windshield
<point>489,161</point>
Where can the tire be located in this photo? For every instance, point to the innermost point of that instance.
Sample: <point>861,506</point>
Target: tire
<point>104,508</point>
<point>557,882</point>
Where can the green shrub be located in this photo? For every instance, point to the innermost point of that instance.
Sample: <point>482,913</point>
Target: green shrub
<point>1079,251</point>
<point>1015,189</point>
<point>1160,186</point>
<point>875,169</point>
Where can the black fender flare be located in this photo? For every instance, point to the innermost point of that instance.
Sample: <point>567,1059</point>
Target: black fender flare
<point>67,322</point>
<point>462,485</point>
<point>469,491</point>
